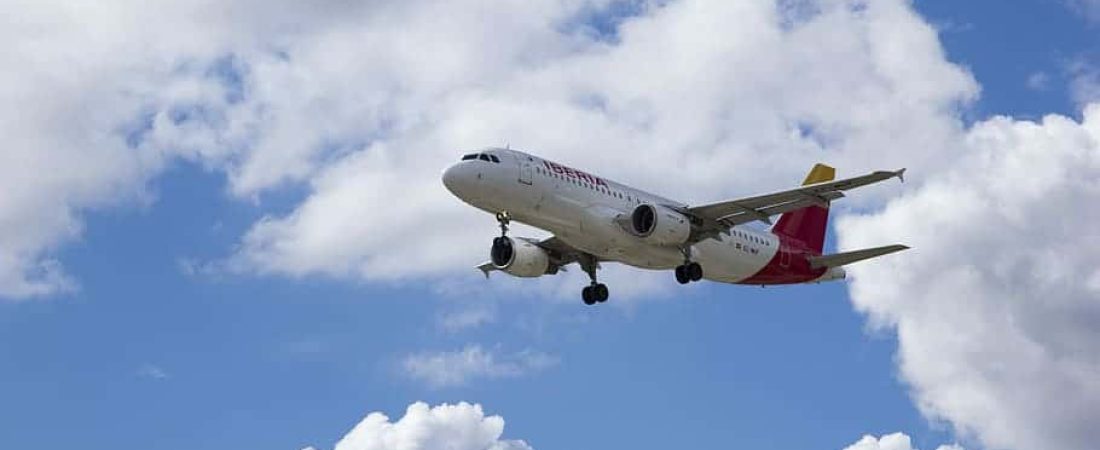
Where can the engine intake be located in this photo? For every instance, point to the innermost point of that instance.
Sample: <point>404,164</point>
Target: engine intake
<point>660,225</point>
<point>519,257</point>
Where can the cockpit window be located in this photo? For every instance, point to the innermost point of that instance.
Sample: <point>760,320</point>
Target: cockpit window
<point>469,157</point>
<point>483,157</point>
<point>494,158</point>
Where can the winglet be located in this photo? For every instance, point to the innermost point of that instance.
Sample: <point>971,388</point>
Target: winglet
<point>900,174</point>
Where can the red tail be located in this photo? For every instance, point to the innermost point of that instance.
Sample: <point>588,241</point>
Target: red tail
<point>808,224</point>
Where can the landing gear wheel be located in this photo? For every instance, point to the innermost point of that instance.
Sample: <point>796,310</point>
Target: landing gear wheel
<point>588,295</point>
<point>694,271</point>
<point>682,275</point>
<point>594,293</point>
<point>600,293</point>
<point>502,252</point>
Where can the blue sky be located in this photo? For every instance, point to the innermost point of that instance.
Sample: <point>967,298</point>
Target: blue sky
<point>147,353</point>
<point>271,363</point>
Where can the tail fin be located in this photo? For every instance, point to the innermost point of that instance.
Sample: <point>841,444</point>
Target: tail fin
<point>808,224</point>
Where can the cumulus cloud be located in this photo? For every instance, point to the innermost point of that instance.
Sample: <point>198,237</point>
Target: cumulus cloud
<point>363,103</point>
<point>749,94</point>
<point>456,427</point>
<point>445,369</point>
<point>895,441</point>
<point>995,307</point>
<point>359,101</point>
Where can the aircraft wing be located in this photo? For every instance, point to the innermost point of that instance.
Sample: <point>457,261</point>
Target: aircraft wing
<point>720,217</point>
<point>561,254</point>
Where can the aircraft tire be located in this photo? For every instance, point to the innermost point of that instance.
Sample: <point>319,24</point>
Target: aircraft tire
<point>588,295</point>
<point>694,271</point>
<point>682,275</point>
<point>600,293</point>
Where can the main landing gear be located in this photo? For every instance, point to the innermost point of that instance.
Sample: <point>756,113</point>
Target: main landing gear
<point>688,271</point>
<point>595,292</point>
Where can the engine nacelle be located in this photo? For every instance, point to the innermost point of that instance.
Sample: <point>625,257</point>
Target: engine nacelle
<point>519,257</point>
<point>660,225</point>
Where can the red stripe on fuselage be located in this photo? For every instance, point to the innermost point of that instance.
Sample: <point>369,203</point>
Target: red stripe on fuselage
<point>790,265</point>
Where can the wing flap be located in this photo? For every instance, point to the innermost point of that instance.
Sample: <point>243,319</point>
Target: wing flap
<point>747,215</point>
<point>842,259</point>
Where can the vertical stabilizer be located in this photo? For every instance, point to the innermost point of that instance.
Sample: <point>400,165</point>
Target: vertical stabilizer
<point>808,224</point>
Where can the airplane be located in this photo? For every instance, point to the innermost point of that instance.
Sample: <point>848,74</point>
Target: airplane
<point>595,220</point>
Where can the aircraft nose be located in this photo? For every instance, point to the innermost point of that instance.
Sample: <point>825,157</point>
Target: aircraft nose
<point>454,179</point>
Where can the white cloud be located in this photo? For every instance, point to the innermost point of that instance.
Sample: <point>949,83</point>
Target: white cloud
<point>1084,86</point>
<point>455,427</point>
<point>365,102</point>
<point>744,99</point>
<point>895,441</point>
<point>1038,81</point>
<point>994,308</point>
<point>152,371</point>
<point>464,319</point>
<point>1089,9</point>
<point>75,81</point>
<point>444,369</point>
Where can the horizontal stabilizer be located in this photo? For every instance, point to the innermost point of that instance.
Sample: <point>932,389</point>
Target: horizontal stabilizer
<point>842,259</point>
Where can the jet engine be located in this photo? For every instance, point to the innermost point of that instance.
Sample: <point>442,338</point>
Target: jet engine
<point>519,257</point>
<point>660,225</point>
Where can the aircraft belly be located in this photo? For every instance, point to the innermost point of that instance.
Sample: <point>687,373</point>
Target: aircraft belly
<point>640,256</point>
<point>590,227</point>
<point>730,260</point>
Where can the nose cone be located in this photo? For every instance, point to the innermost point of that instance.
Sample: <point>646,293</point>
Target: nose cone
<point>457,180</point>
<point>450,179</point>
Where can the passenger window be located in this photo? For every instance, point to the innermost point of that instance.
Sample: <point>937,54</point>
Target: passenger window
<point>469,157</point>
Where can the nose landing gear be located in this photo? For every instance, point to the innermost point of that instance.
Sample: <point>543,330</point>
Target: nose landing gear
<point>503,219</point>
<point>502,247</point>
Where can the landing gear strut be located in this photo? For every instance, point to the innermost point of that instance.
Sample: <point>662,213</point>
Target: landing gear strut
<point>688,271</point>
<point>595,292</point>
<point>502,247</point>
<point>503,219</point>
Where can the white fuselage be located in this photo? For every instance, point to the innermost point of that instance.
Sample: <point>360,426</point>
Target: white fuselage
<point>587,212</point>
